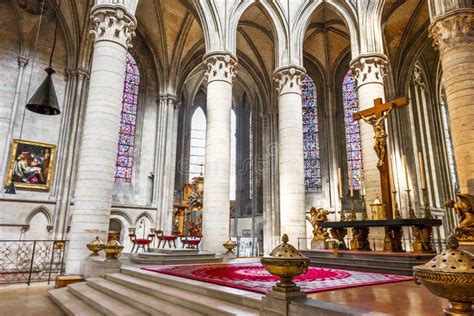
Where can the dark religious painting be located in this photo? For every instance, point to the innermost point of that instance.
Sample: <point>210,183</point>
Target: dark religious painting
<point>31,165</point>
<point>312,168</point>
<point>126,144</point>
<point>352,129</point>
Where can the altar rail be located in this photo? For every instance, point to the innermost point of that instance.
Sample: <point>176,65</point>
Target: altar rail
<point>377,243</point>
<point>26,261</point>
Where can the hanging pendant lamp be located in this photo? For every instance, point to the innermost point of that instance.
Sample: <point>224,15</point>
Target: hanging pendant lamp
<point>45,100</point>
<point>11,188</point>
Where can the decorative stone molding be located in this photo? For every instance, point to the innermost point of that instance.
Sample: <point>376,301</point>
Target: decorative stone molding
<point>22,61</point>
<point>451,29</point>
<point>220,66</point>
<point>418,76</point>
<point>369,68</point>
<point>113,23</point>
<point>288,79</point>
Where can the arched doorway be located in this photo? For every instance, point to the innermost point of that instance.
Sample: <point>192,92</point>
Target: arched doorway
<point>115,230</point>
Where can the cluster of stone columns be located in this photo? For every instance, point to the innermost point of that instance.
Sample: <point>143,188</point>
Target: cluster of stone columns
<point>114,27</point>
<point>453,35</point>
<point>369,70</point>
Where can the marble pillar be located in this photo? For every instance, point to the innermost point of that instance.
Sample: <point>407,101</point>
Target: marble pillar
<point>114,27</point>
<point>453,35</point>
<point>291,159</point>
<point>369,70</point>
<point>215,227</point>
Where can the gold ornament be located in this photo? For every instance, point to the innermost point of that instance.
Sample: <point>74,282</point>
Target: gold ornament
<point>95,246</point>
<point>230,245</point>
<point>450,275</point>
<point>317,217</point>
<point>112,249</point>
<point>464,208</point>
<point>378,209</point>
<point>285,262</point>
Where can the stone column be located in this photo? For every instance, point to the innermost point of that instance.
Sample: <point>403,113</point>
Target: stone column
<point>166,160</point>
<point>453,34</point>
<point>22,62</point>
<point>368,70</point>
<point>220,73</point>
<point>291,160</point>
<point>114,27</point>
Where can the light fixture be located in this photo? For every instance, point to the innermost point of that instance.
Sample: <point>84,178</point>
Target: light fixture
<point>45,100</point>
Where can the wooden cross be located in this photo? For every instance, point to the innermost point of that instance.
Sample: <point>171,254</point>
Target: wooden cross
<point>378,111</point>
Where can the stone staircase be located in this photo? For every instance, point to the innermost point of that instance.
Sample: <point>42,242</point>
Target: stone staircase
<point>134,291</point>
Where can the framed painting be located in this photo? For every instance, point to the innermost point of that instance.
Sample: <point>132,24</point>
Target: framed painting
<point>31,165</point>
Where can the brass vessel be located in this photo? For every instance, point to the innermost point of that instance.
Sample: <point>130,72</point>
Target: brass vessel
<point>112,249</point>
<point>450,275</point>
<point>285,262</point>
<point>230,245</point>
<point>95,246</point>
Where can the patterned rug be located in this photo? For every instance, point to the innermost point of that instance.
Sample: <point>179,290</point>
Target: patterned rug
<point>253,277</point>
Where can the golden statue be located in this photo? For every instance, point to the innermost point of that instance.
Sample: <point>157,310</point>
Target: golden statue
<point>380,135</point>
<point>464,208</point>
<point>317,217</point>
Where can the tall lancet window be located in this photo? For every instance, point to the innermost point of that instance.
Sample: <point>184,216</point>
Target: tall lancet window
<point>126,144</point>
<point>312,166</point>
<point>352,129</point>
<point>198,144</point>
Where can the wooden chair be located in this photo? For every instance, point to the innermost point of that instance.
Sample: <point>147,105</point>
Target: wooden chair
<point>166,239</point>
<point>191,242</point>
<point>141,242</point>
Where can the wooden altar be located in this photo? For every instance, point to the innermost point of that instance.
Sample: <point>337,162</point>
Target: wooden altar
<point>421,228</point>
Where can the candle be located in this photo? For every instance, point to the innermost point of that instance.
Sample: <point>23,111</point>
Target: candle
<point>406,172</point>
<point>339,178</point>
<point>422,171</point>
<point>350,182</point>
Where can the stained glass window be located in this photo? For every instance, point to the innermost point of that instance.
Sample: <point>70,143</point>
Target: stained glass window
<point>198,144</point>
<point>126,144</point>
<point>312,167</point>
<point>352,129</point>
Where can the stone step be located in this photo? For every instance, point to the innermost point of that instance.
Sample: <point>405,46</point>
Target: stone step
<point>361,267</point>
<point>197,302</point>
<point>158,255</point>
<point>103,303</point>
<point>138,300</point>
<point>184,251</point>
<point>231,295</point>
<point>71,304</point>
<point>165,261</point>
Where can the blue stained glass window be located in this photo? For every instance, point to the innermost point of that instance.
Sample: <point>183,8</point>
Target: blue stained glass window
<point>352,129</point>
<point>124,162</point>
<point>312,167</point>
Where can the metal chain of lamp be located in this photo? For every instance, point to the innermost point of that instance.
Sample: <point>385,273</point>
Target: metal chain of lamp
<point>45,100</point>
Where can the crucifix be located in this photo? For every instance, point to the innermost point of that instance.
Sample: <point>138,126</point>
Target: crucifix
<point>375,117</point>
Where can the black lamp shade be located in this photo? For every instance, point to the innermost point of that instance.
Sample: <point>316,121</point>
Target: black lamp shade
<point>45,101</point>
<point>11,188</point>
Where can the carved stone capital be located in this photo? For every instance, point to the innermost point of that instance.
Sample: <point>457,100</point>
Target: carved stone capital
<point>369,68</point>
<point>22,61</point>
<point>220,67</point>
<point>288,79</point>
<point>168,99</point>
<point>113,23</point>
<point>452,29</point>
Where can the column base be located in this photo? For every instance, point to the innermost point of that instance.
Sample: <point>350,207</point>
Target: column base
<point>277,303</point>
<point>99,267</point>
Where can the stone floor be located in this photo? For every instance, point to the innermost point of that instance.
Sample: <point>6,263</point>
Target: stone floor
<point>404,298</point>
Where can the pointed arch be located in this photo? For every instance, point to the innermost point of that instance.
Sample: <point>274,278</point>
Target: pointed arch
<point>122,214</point>
<point>143,214</point>
<point>37,210</point>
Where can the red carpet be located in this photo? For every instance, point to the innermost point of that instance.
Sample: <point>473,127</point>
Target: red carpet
<point>253,277</point>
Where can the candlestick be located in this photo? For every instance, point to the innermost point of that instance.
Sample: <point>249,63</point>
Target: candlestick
<point>339,185</point>
<point>353,213</point>
<point>361,180</point>
<point>343,217</point>
<point>426,203</point>
<point>411,211</point>
<point>407,182</point>
<point>364,208</point>
<point>422,170</point>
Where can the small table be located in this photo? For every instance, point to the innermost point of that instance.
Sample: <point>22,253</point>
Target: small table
<point>421,227</point>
